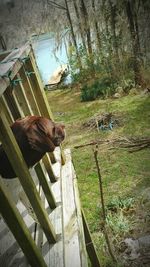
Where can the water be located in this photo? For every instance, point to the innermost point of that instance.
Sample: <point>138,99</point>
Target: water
<point>48,60</point>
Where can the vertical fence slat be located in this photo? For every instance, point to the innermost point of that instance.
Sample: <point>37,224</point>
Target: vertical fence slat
<point>11,103</point>
<point>6,110</point>
<point>29,90</point>
<point>25,96</point>
<point>21,97</point>
<point>27,84</point>
<point>23,103</point>
<point>49,168</point>
<point>38,92</point>
<point>45,186</point>
<point>19,229</point>
<point>38,88</point>
<point>16,159</point>
<point>17,104</point>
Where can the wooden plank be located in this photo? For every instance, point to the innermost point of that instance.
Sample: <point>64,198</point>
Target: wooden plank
<point>4,54</point>
<point>38,230</point>
<point>91,250</point>
<point>23,102</point>
<point>29,91</point>
<point>16,159</point>
<point>39,92</point>
<point>56,169</point>
<point>45,186</point>
<point>21,97</point>
<point>54,254</point>
<point>11,103</point>
<point>19,229</point>
<point>6,110</point>
<point>83,253</point>
<point>13,65</point>
<point>56,192</point>
<point>18,107</point>
<point>11,254</point>
<point>49,168</point>
<point>70,223</point>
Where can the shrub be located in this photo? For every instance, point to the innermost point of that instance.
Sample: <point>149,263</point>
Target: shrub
<point>100,88</point>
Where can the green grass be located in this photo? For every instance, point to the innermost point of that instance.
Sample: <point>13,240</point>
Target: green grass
<point>124,174</point>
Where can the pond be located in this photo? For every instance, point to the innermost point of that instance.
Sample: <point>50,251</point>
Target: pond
<point>47,57</point>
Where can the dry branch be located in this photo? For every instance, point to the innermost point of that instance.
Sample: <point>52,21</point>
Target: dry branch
<point>103,206</point>
<point>133,144</point>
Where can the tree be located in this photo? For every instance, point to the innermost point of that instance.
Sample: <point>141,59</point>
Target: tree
<point>80,24</point>
<point>86,25</point>
<point>66,9</point>
<point>96,26</point>
<point>113,15</point>
<point>133,26</point>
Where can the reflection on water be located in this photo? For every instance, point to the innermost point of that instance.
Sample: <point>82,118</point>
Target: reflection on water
<point>48,60</point>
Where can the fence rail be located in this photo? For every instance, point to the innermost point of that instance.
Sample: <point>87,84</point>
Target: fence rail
<point>43,210</point>
<point>21,94</point>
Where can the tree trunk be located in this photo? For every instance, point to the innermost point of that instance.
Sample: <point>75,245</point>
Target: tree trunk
<point>96,26</point>
<point>135,43</point>
<point>73,34</point>
<point>113,29</point>
<point>80,25</point>
<point>86,28</point>
<point>106,30</point>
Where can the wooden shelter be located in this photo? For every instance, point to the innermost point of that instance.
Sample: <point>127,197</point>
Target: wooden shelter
<point>41,221</point>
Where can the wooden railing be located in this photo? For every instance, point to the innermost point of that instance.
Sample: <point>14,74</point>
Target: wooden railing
<point>22,93</point>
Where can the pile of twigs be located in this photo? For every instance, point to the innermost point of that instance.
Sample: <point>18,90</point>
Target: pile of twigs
<point>94,121</point>
<point>133,144</point>
<point>102,121</point>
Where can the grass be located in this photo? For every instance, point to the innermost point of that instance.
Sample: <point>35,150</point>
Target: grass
<point>125,175</point>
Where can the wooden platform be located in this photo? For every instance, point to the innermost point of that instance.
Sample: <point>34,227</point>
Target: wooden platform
<point>69,250</point>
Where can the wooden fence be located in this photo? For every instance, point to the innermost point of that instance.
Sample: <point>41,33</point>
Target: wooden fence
<point>54,234</point>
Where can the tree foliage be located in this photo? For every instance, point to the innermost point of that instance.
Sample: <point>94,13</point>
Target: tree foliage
<point>103,36</point>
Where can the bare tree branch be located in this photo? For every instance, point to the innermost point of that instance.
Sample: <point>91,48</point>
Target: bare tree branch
<point>56,5</point>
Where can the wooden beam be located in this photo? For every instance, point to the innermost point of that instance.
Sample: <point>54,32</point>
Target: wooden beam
<point>83,251</point>
<point>16,159</point>
<point>19,92</point>
<point>39,92</point>
<point>91,250</point>
<point>49,168</point>
<point>12,66</point>
<point>72,256</point>
<point>29,91</point>
<point>11,103</point>
<point>19,229</point>
<point>24,94</point>
<point>6,110</point>
<point>4,54</point>
<point>45,186</point>
<point>17,103</point>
